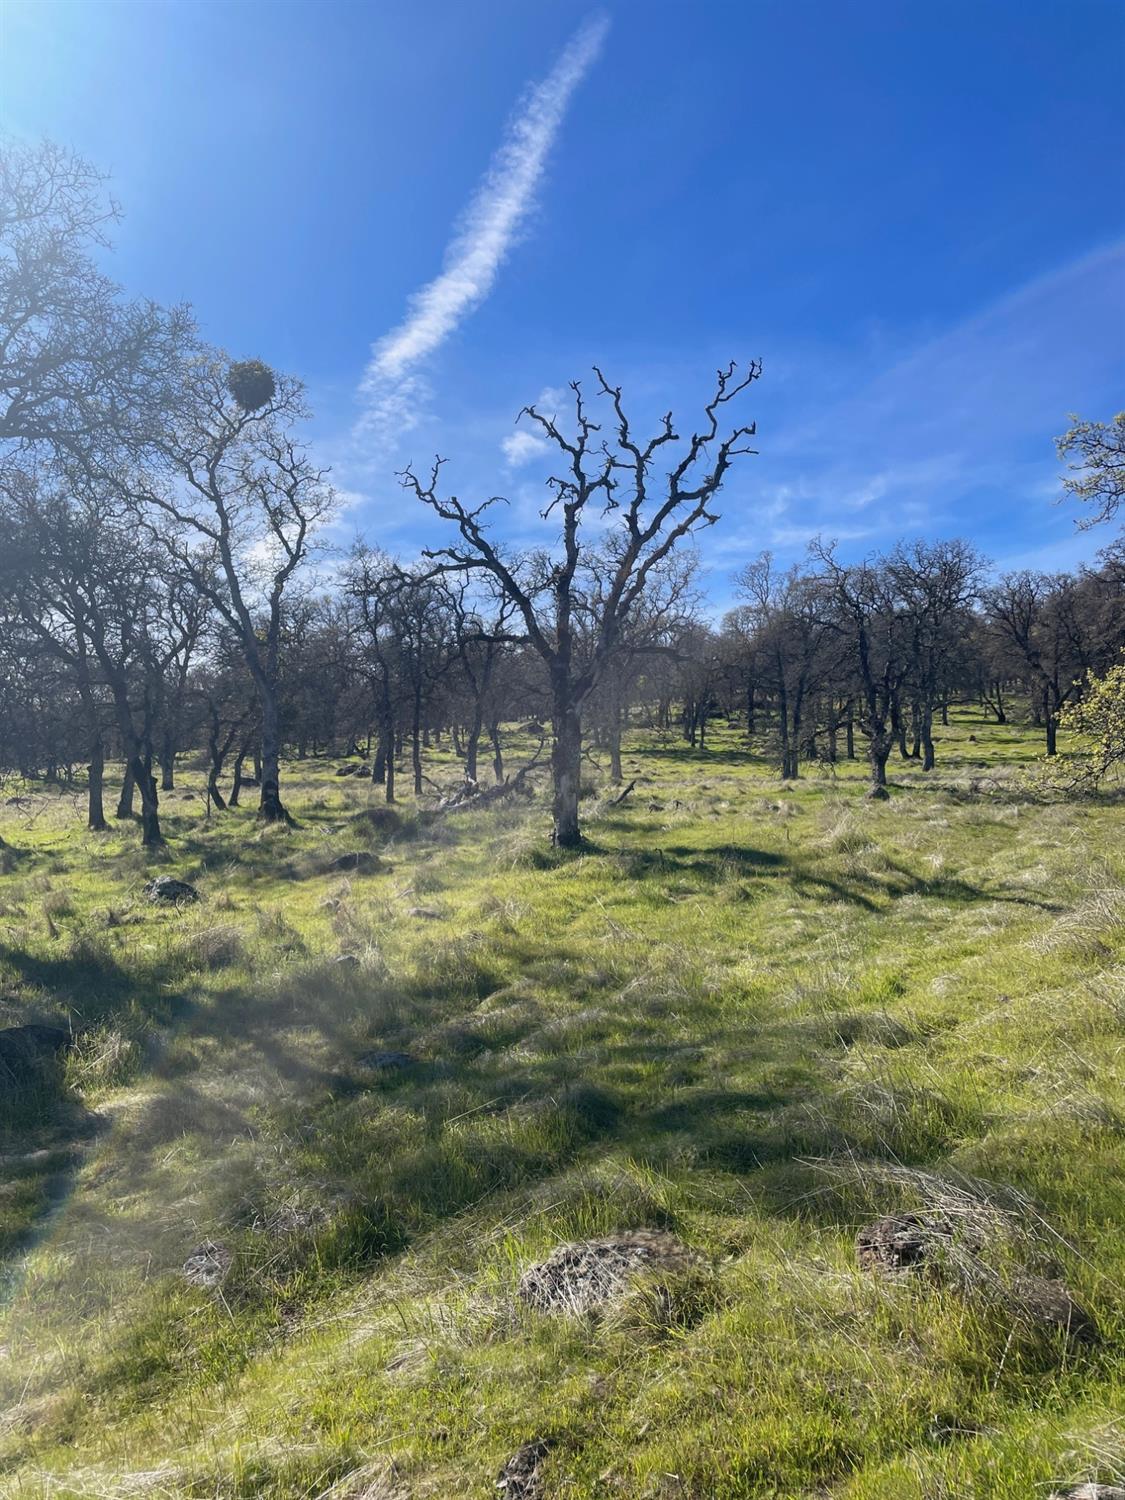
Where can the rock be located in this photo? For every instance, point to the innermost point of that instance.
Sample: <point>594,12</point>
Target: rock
<point>348,960</point>
<point>1090,1492</point>
<point>24,1050</point>
<point>426,913</point>
<point>165,890</point>
<point>901,1242</point>
<point>521,1477</point>
<point>386,1062</point>
<point>1050,1303</point>
<point>208,1265</point>
<point>578,1277</point>
<point>362,861</point>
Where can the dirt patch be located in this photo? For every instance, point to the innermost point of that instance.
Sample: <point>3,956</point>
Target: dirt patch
<point>586,1274</point>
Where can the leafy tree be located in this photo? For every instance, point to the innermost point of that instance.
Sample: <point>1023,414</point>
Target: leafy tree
<point>1098,467</point>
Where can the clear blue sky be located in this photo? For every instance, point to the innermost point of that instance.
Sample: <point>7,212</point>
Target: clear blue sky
<point>914,213</point>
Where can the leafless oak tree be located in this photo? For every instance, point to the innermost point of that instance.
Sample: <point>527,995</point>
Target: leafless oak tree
<point>650,518</point>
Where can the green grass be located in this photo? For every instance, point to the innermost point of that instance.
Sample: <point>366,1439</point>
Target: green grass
<point>756,1016</point>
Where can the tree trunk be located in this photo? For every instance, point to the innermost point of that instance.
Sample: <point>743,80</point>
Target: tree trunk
<point>878,751</point>
<point>566,771</point>
<point>236,788</point>
<point>1052,727</point>
<point>416,742</point>
<point>145,782</point>
<point>472,744</point>
<point>270,808</point>
<point>849,738</point>
<point>497,750</point>
<point>168,763</point>
<point>613,730</point>
<point>95,818</point>
<point>125,801</point>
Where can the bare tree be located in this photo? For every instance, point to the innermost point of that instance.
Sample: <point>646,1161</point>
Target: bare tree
<point>238,514</point>
<point>651,521</point>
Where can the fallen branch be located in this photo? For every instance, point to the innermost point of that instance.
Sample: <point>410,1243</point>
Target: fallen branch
<point>620,798</point>
<point>470,795</point>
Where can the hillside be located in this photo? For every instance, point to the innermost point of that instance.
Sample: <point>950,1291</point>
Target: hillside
<point>269,1232</point>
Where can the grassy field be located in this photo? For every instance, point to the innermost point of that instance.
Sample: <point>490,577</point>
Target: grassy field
<point>754,1016</point>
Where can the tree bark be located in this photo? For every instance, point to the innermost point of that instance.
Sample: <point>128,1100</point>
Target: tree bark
<point>95,818</point>
<point>566,771</point>
<point>125,801</point>
<point>168,762</point>
<point>270,807</point>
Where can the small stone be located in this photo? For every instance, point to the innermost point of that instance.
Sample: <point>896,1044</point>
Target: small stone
<point>165,890</point>
<point>207,1265</point>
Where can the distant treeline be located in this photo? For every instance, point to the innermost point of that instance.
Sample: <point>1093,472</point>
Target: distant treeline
<point>159,511</point>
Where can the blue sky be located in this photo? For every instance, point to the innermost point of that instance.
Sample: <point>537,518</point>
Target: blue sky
<point>914,214</point>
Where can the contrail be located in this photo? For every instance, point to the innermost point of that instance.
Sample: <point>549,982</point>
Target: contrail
<point>487,231</point>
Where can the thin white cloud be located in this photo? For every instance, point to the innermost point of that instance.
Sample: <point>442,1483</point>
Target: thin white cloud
<point>487,232</point>
<point>520,448</point>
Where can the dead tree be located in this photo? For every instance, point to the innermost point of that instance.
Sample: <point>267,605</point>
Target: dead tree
<point>652,518</point>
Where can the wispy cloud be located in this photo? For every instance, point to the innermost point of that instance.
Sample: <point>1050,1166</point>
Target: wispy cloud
<point>520,448</point>
<point>486,233</point>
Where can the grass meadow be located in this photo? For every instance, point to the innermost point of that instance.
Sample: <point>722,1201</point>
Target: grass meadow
<point>756,1016</point>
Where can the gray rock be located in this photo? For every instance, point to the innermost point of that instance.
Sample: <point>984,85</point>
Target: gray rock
<point>208,1265</point>
<point>165,890</point>
<point>1090,1492</point>
<point>902,1242</point>
<point>386,1062</point>
<point>521,1477</point>
<point>360,861</point>
<point>25,1050</point>
<point>579,1277</point>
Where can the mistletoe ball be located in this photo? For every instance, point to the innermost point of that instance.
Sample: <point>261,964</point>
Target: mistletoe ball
<point>251,383</point>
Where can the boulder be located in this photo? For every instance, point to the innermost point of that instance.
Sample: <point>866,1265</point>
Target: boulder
<point>1051,1304</point>
<point>208,1265</point>
<point>386,1062</point>
<point>165,890</point>
<point>582,1276</point>
<point>902,1242</point>
<point>360,861</point>
<point>25,1050</point>
<point>521,1477</point>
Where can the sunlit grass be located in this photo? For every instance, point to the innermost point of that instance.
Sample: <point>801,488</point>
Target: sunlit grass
<point>756,1016</point>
